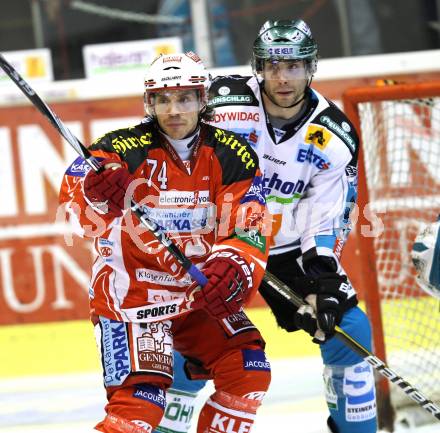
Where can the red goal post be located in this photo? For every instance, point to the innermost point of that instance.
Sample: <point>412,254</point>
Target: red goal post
<point>399,183</point>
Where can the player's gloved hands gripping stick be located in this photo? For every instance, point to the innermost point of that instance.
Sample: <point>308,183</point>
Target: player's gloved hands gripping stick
<point>329,295</point>
<point>108,187</point>
<point>229,283</point>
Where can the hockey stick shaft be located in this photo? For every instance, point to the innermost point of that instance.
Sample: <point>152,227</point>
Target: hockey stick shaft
<point>289,294</point>
<point>195,273</point>
<point>155,229</point>
<point>47,112</point>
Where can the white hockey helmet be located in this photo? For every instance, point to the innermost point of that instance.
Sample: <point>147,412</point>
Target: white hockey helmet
<point>425,255</point>
<point>175,72</point>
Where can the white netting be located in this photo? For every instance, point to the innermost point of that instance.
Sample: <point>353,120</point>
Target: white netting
<point>401,143</point>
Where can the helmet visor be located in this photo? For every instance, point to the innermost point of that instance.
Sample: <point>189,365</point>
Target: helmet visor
<point>173,101</point>
<point>284,70</point>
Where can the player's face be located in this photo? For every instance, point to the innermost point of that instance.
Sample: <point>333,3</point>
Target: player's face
<point>177,111</point>
<point>285,81</point>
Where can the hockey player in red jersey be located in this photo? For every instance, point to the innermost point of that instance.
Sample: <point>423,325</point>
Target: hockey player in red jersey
<point>308,152</point>
<point>202,185</point>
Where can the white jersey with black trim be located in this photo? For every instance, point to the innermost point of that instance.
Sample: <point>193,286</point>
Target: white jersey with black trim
<point>310,169</point>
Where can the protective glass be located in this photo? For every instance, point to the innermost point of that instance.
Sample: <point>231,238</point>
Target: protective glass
<point>174,101</point>
<point>284,70</point>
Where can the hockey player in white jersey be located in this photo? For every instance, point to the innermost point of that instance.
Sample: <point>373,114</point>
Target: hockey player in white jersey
<point>308,150</point>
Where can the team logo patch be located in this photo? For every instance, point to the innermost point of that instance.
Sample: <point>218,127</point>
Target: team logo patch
<point>255,360</point>
<point>318,136</point>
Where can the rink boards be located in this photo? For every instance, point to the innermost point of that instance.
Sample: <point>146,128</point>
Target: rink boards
<point>66,347</point>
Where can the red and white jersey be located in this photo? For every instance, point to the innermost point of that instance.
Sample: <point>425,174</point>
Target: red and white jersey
<point>214,201</point>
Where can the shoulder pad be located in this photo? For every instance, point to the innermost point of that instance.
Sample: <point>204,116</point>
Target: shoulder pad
<point>334,120</point>
<point>231,90</point>
<point>237,158</point>
<point>125,140</point>
<point>130,144</point>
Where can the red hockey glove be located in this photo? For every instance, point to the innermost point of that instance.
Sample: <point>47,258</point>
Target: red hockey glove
<point>229,280</point>
<point>108,187</point>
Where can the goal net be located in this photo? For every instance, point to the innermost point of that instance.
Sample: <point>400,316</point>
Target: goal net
<point>399,182</point>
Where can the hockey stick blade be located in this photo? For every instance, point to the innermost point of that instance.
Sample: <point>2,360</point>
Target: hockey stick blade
<point>38,103</point>
<point>380,366</point>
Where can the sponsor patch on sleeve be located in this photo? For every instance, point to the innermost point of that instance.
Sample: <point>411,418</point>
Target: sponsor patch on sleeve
<point>255,192</point>
<point>79,167</point>
<point>252,237</point>
<point>342,130</point>
<point>255,360</point>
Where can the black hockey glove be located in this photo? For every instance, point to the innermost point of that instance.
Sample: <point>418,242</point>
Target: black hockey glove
<point>329,296</point>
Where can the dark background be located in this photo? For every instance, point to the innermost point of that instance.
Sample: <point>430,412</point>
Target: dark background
<point>387,26</point>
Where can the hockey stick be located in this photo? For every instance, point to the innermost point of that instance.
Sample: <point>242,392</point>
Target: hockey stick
<point>288,293</point>
<point>155,229</point>
<point>195,273</point>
